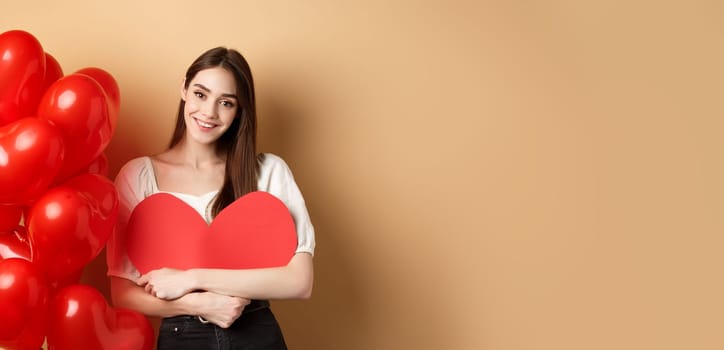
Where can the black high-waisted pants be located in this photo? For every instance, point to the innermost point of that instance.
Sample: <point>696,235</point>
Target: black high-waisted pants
<point>255,329</point>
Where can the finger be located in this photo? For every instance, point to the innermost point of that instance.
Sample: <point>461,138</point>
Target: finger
<point>161,295</point>
<point>142,280</point>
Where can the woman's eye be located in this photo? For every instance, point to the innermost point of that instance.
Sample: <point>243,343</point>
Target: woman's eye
<point>227,104</point>
<point>198,94</point>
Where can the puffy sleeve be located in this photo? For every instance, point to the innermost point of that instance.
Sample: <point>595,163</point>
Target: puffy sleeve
<point>133,185</point>
<point>276,178</point>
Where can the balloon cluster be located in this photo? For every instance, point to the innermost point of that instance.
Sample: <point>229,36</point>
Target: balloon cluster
<point>57,206</point>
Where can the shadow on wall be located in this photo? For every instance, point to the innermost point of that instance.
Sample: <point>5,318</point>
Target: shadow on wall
<point>129,142</point>
<point>336,316</point>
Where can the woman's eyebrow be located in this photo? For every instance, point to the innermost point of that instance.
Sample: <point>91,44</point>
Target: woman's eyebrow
<point>202,87</point>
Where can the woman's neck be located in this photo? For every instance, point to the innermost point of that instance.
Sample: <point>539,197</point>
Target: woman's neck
<point>196,155</point>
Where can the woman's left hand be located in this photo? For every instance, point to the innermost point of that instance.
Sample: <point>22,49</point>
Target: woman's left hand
<point>167,284</point>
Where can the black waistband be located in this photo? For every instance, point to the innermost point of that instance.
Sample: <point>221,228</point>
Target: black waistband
<point>254,305</point>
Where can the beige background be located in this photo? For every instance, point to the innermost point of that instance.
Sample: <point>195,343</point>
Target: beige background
<point>481,175</point>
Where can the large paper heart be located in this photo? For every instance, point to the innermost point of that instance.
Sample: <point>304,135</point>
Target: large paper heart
<point>80,318</point>
<point>254,231</point>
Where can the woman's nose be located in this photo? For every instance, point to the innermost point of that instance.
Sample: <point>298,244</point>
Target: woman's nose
<point>208,109</point>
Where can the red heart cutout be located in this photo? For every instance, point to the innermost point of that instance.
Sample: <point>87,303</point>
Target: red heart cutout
<point>80,318</point>
<point>254,231</point>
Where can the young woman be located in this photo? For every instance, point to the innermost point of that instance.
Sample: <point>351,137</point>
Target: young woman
<point>212,161</point>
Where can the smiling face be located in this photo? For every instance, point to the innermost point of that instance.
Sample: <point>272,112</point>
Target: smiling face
<point>210,104</point>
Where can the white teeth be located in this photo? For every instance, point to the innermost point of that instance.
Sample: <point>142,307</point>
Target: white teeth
<point>204,124</point>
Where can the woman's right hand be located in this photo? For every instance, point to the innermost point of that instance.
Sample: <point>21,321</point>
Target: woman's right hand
<point>221,310</point>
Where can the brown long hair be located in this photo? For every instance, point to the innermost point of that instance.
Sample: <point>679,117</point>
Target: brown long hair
<point>239,141</point>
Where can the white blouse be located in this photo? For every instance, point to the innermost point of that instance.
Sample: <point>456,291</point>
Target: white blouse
<point>136,181</point>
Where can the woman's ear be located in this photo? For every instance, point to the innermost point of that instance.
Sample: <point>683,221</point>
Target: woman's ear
<point>183,89</point>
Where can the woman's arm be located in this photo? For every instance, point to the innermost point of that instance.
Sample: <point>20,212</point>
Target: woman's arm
<point>293,281</point>
<point>219,309</point>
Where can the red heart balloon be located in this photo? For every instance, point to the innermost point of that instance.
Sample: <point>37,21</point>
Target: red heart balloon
<point>78,106</point>
<point>80,318</point>
<point>15,244</point>
<point>102,194</point>
<point>53,71</point>
<point>71,279</point>
<point>22,69</point>
<point>254,231</point>
<point>31,154</point>
<point>70,224</point>
<point>110,86</point>
<point>9,217</point>
<point>23,300</point>
<point>98,166</point>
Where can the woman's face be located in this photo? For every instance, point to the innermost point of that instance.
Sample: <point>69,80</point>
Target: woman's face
<point>210,105</point>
